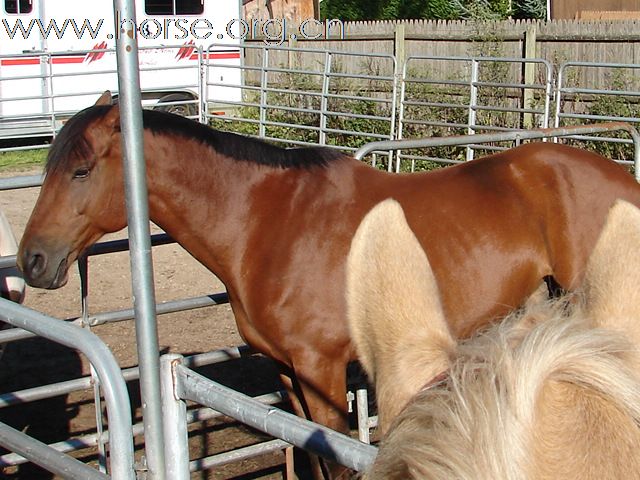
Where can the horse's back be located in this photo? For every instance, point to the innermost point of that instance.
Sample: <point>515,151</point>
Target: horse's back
<point>493,228</point>
<point>572,192</point>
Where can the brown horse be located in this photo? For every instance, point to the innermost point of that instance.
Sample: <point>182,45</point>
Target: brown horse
<point>275,226</point>
<point>551,392</point>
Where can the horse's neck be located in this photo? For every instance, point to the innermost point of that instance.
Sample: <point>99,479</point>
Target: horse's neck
<point>199,198</point>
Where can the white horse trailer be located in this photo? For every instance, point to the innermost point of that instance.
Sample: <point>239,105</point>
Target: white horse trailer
<point>58,56</point>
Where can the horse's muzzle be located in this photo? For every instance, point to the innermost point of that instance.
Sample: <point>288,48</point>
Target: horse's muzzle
<point>42,270</point>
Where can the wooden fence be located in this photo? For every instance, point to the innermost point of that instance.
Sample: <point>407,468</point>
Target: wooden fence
<point>555,41</point>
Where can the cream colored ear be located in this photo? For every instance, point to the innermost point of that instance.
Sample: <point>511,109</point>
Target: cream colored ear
<point>105,99</point>
<point>612,280</point>
<point>394,310</point>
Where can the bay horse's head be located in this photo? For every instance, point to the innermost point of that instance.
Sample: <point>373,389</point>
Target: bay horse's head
<point>81,199</point>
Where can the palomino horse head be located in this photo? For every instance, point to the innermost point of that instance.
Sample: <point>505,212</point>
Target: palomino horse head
<point>552,392</point>
<point>81,199</point>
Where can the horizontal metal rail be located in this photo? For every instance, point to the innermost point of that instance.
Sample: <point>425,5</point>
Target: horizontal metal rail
<point>506,136</point>
<point>171,306</point>
<point>92,440</point>
<point>45,456</point>
<point>302,433</point>
<point>129,374</point>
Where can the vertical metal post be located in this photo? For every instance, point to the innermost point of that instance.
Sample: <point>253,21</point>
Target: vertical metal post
<point>559,82</point>
<point>473,103</point>
<point>362,405</point>
<point>49,104</point>
<point>202,105</point>
<point>324,100</point>
<point>548,92</point>
<point>262,129</point>
<point>83,270</point>
<point>528,94</point>
<point>399,75</point>
<point>139,233</point>
<point>175,421</point>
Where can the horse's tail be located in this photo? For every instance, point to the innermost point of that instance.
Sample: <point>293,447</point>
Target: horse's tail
<point>482,423</point>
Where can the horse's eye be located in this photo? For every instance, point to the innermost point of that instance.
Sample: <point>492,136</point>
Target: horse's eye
<point>82,172</point>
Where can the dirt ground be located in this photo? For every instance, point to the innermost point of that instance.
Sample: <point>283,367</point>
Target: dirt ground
<point>35,362</point>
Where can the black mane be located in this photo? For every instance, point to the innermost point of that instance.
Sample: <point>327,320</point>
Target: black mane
<point>71,142</point>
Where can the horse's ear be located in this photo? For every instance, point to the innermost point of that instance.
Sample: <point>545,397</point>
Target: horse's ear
<point>394,310</point>
<point>612,279</point>
<point>105,99</point>
<point>112,119</point>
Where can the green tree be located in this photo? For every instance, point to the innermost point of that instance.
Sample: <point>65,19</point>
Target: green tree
<point>349,10</point>
<point>482,9</point>
<point>530,9</point>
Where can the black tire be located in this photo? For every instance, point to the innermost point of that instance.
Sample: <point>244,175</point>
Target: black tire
<point>185,109</point>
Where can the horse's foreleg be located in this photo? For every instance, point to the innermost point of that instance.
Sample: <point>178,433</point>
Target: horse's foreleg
<point>324,401</point>
<point>301,465</point>
<point>324,398</point>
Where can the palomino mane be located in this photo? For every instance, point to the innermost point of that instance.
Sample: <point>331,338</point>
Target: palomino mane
<point>71,142</point>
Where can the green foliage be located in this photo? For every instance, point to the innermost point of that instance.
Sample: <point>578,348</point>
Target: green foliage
<point>443,10</point>
<point>349,10</point>
<point>530,9</point>
<point>345,10</point>
<point>388,10</point>
<point>482,9</point>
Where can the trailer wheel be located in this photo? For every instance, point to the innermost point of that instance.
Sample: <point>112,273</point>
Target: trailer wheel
<point>185,109</point>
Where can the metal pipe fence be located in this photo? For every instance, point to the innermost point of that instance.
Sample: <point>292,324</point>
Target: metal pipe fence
<point>328,105</point>
<point>382,109</point>
<point>577,103</point>
<point>515,136</point>
<point>181,384</point>
<point>270,95</point>
<point>476,94</point>
<point>111,382</point>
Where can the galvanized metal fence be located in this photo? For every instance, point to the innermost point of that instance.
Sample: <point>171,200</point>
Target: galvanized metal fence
<point>345,103</point>
<point>328,105</point>
<point>479,94</point>
<point>578,102</point>
<point>383,99</point>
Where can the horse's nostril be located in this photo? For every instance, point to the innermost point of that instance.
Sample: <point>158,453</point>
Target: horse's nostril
<point>36,264</point>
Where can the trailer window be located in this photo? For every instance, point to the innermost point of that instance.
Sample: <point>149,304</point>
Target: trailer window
<point>18,6</point>
<point>173,7</point>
